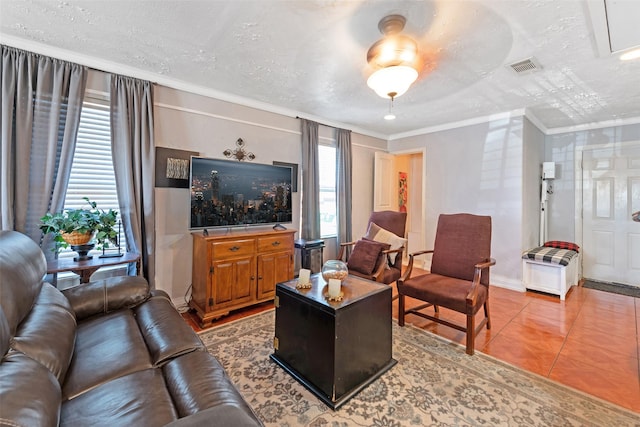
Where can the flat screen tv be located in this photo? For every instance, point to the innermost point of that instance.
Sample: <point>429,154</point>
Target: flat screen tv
<point>229,193</point>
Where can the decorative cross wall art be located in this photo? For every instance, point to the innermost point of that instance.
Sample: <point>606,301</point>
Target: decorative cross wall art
<point>239,153</point>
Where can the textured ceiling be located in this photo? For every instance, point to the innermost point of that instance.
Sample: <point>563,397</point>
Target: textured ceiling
<point>309,57</point>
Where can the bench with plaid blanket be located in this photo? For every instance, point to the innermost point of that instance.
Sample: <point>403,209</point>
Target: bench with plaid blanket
<point>551,255</point>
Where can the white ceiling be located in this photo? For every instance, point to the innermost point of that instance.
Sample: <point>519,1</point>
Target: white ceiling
<point>308,57</point>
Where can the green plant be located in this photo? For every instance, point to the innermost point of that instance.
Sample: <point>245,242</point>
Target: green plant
<point>84,220</point>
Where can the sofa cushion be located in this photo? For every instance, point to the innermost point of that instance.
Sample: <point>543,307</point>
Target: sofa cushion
<point>167,335</point>
<point>107,347</point>
<point>223,414</point>
<point>107,295</point>
<point>5,334</point>
<point>136,399</point>
<point>48,333</point>
<point>29,393</point>
<point>197,381</point>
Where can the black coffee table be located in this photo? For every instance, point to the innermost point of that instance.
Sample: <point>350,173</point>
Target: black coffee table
<point>334,349</point>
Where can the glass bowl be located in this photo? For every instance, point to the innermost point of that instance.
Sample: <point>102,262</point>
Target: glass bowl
<point>334,269</point>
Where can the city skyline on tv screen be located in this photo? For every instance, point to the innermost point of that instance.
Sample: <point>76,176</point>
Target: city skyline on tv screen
<point>229,193</point>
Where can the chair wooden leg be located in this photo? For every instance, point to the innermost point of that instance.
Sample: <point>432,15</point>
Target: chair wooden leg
<point>401,310</point>
<point>486,314</point>
<point>471,333</point>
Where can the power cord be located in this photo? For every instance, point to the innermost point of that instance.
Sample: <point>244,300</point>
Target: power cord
<point>183,308</point>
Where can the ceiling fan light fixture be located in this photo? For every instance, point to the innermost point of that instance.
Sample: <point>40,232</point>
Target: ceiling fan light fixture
<point>395,58</point>
<point>631,54</point>
<point>391,82</point>
<point>397,49</point>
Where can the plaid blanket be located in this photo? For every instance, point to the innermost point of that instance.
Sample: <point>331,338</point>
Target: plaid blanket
<point>551,255</point>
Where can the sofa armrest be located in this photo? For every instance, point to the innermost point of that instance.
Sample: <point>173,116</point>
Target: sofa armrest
<point>104,296</point>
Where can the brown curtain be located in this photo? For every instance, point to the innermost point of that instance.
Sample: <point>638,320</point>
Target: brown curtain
<point>133,163</point>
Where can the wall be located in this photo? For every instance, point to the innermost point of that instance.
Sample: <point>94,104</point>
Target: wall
<point>565,204</point>
<point>533,143</point>
<point>477,169</point>
<point>208,126</point>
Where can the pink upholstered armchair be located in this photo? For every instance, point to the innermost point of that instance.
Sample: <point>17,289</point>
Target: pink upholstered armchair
<point>459,276</point>
<point>378,255</point>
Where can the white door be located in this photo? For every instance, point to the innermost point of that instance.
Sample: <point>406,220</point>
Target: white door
<point>386,192</point>
<point>385,195</point>
<point>611,193</point>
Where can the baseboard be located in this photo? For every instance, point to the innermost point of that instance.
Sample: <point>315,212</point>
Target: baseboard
<point>507,283</point>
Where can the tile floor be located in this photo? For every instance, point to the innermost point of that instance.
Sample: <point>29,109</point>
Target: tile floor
<point>589,342</point>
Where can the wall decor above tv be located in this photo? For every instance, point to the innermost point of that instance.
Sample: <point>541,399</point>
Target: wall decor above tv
<point>226,193</point>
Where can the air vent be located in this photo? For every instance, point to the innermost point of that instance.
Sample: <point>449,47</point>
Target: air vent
<point>528,65</point>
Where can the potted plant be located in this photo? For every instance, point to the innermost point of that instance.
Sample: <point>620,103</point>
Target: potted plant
<point>81,228</point>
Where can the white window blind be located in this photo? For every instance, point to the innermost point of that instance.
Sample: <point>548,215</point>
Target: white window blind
<point>92,173</point>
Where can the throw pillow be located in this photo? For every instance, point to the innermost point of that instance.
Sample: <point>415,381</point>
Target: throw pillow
<point>365,255</point>
<point>558,244</point>
<point>381,235</point>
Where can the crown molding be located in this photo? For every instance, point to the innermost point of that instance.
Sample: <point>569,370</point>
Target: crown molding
<point>462,123</point>
<point>594,125</point>
<point>115,68</point>
<point>526,112</point>
<point>536,121</point>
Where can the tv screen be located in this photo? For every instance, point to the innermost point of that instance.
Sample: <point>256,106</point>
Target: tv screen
<point>226,193</point>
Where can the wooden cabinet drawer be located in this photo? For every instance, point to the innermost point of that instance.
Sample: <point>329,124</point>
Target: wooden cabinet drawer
<point>233,248</point>
<point>275,243</point>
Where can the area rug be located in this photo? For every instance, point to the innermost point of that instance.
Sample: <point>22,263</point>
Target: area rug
<point>616,288</point>
<point>434,384</point>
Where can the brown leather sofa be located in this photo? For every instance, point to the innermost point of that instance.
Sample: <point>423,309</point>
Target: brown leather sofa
<point>106,353</point>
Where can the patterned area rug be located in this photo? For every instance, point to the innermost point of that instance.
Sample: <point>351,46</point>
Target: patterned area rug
<point>434,384</point>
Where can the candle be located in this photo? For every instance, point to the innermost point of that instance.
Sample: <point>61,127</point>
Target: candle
<point>303,276</point>
<point>334,288</point>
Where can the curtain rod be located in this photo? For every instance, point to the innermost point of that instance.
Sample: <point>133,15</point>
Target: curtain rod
<point>329,126</point>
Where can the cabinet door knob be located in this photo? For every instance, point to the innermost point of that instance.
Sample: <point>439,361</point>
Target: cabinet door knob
<point>276,243</point>
<point>234,248</point>
<point>259,277</point>
<point>253,278</point>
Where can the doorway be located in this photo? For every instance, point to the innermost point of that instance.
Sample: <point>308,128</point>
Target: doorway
<point>610,195</point>
<point>399,186</point>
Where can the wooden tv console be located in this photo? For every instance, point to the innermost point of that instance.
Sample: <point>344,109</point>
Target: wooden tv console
<point>238,268</point>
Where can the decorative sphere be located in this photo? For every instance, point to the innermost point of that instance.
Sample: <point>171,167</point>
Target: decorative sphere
<point>334,269</point>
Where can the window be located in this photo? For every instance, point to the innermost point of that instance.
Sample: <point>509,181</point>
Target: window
<point>327,176</point>
<point>92,172</point>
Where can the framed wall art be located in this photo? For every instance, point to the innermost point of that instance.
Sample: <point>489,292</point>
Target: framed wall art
<point>172,167</point>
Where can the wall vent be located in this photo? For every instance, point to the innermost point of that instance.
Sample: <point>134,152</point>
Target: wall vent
<point>528,65</point>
